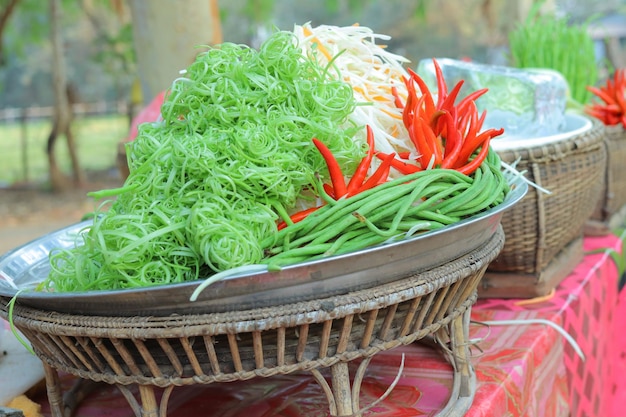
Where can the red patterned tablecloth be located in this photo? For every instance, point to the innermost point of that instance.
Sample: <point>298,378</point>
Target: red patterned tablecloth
<point>522,369</point>
<point>593,312</point>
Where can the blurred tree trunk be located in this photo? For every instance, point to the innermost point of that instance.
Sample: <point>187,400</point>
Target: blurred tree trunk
<point>5,14</point>
<point>166,35</point>
<point>62,117</point>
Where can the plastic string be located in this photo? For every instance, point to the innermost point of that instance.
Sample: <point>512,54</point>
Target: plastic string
<point>555,326</point>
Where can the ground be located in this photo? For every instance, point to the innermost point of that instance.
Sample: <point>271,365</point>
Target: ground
<point>30,211</point>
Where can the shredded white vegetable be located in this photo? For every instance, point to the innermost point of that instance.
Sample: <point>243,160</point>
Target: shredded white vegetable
<point>371,70</point>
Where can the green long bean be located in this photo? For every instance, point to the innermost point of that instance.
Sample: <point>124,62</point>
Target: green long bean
<point>418,202</point>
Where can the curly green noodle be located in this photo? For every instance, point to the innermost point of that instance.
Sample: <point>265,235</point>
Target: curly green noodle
<point>218,239</point>
<point>205,184</point>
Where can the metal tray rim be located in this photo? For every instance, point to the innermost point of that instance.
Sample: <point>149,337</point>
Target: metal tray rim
<point>322,274</point>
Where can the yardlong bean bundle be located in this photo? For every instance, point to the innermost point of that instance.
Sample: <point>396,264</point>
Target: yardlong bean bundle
<point>419,202</point>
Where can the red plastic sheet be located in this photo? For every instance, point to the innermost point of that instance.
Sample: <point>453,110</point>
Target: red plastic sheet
<point>593,313</point>
<point>522,369</point>
<point>150,113</point>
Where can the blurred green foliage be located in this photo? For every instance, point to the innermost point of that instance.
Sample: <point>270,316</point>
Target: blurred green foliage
<point>100,54</point>
<point>97,139</point>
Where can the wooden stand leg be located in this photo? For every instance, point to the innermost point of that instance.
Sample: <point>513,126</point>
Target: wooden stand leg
<point>53,387</point>
<point>147,406</point>
<point>75,395</point>
<point>343,396</point>
<point>64,406</point>
<point>341,389</point>
<point>460,350</point>
<point>464,384</point>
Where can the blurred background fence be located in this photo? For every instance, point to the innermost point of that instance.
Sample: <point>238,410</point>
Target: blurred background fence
<point>101,62</point>
<point>16,114</point>
<point>24,133</point>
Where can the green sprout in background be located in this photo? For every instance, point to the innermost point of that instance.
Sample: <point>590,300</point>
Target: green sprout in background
<point>548,41</point>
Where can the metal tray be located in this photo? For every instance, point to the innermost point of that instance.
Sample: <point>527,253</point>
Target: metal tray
<point>25,267</point>
<point>575,125</point>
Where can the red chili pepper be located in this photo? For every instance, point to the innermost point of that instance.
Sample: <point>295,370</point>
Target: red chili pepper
<point>336,176</point>
<point>608,116</point>
<point>470,124</point>
<point>481,120</point>
<point>475,123</point>
<point>619,88</point>
<point>396,98</point>
<point>380,175</point>
<point>469,147</point>
<point>433,142</point>
<point>613,109</point>
<point>429,103</point>
<point>444,134</point>
<point>442,88</point>
<point>412,104</point>
<point>602,94</point>
<point>298,216</point>
<point>412,124</point>
<point>473,165</point>
<point>402,167</point>
<point>464,123</point>
<point>416,134</point>
<point>470,98</point>
<point>454,140</point>
<point>435,122</point>
<point>466,153</point>
<point>448,102</point>
<point>328,189</point>
<point>357,183</point>
<point>359,174</point>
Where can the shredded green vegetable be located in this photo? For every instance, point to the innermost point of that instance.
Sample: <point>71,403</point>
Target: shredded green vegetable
<point>205,184</point>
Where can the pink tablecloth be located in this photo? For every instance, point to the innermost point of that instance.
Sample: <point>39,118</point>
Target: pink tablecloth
<point>592,311</point>
<point>522,369</point>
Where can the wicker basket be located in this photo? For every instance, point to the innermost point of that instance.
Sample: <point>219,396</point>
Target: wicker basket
<point>610,211</point>
<point>544,231</point>
<point>221,347</point>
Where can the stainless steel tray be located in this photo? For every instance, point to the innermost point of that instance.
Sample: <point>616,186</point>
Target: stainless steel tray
<point>575,125</point>
<point>23,268</point>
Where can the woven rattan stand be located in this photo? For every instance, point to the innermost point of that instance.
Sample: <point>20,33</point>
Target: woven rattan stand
<point>182,350</point>
<point>610,211</point>
<point>544,232</point>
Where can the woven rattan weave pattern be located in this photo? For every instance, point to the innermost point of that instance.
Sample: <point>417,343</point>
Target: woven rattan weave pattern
<point>221,347</point>
<point>543,226</point>
<point>613,195</point>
